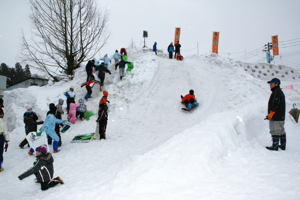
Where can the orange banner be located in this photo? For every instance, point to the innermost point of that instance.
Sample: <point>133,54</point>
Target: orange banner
<point>275,45</point>
<point>215,42</point>
<point>177,35</point>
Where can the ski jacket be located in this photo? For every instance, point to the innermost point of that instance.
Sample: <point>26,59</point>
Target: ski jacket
<point>89,66</point>
<point>117,56</point>
<point>59,106</point>
<point>31,123</point>
<point>42,168</point>
<point>154,47</point>
<point>70,94</point>
<point>277,104</point>
<point>121,64</point>
<point>50,122</point>
<point>106,59</point>
<point>170,48</point>
<point>3,130</point>
<point>73,107</point>
<point>123,51</point>
<point>102,69</point>
<point>177,47</point>
<point>91,83</point>
<point>81,107</point>
<point>188,97</point>
<point>102,115</point>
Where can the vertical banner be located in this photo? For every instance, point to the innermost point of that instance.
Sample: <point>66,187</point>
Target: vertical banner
<point>177,35</point>
<point>275,45</point>
<point>215,42</point>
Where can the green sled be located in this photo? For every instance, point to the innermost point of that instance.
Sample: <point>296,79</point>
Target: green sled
<point>129,67</point>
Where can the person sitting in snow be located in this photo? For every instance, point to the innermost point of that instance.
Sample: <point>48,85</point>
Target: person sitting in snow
<point>43,169</point>
<point>121,65</point>
<point>4,138</point>
<point>49,126</point>
<point>70,97</point>
<point>30,119</point>
<point>106,60</point>
<point>72,112</point>
<point>187,98</point>
<point>81,109</point>
<point>192,104</point>
<point>89,85</point>
<point>101,73</point>
<point>89,68</point>
<point>117,56</point>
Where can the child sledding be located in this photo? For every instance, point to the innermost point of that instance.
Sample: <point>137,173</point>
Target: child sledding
<point>189,101</point>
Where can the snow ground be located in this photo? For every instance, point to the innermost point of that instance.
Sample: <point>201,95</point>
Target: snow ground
<point>153,149</point>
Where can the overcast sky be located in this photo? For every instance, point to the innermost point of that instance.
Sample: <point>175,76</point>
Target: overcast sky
<point>244,26</point>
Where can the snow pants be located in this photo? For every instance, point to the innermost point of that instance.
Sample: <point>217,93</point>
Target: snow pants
<point>170,55</point>
<point>276,128</point>
<point>102,129</point>
<point>72,116</point>
<point>49,184</point>
<point>121,71</point>
<point>89,74</point>
<point>2,140</point>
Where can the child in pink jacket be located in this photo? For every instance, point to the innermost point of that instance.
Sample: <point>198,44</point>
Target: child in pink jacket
<point>72,111</point>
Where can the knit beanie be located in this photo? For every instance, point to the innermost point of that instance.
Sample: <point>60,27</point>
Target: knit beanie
<point>42,149</point>
<point>29,112</point>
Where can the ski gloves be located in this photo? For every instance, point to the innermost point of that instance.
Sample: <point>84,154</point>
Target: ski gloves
<point>270,115</point>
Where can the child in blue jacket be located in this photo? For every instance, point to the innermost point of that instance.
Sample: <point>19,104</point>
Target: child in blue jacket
<point>106,60</point>
<point>49,126</point>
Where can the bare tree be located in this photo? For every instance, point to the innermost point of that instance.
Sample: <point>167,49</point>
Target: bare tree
<point>65,33</point>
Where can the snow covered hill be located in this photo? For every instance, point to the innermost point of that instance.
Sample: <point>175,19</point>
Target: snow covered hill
<point>153,149</point>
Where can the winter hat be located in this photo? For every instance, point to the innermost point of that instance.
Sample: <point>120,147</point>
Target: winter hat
<point>97,63</point>
<point>105,55</point>
<point>94,59</point>
<point>29,112</point>
<point>274,80</point>
<point>105,93</point>
<point>52,108</point>
<point>191,92</point>
<point>117,51</point>
<point>42,149</point>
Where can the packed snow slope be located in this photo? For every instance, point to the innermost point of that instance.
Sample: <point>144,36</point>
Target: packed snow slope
<point>156,151</point>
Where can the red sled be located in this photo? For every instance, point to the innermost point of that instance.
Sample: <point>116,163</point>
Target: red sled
<point>179,57</point>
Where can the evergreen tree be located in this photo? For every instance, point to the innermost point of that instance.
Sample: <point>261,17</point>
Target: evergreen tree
<point>27,72</point>
<point>4,70</point>
<point>20,74</point>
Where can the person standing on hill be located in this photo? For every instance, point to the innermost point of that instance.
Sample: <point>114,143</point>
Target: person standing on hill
<point>116,56</point>
<point>89,68</point>
<point>177,49</point>
<point>70,97</point>
<point>123,51</point>
<point>101,73</point>
<point>170,50</point>
<point>155,48</point>
<point>106,60</point>
<point>276,116</point>
<point>4,138</point>
<point>121,65</point>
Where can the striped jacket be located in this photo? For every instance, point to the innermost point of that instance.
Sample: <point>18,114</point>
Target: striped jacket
<point>42,168</point>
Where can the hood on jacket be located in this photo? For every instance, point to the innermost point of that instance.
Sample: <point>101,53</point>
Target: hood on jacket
<point>81,101</point>
<point>105,93</point>
<point>60,101</point>
<point>47,157</point>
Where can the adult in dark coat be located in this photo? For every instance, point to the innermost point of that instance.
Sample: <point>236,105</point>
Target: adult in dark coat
<point>276,115</point>
<point>43,169</point>
<point>102,120</point>
<point>170,50</point>
<point>30,119</point>
<point>177,49</point>
<point>89,68</point>
<point>101,71</point>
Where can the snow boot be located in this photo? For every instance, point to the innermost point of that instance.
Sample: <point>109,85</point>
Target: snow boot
<point>282,142</point>
<point>31,151</point>
<point>23,143</point>
<point>58,179</point>
<point>1,168</point>
<point>55,146</point>
<point>275,144</point>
